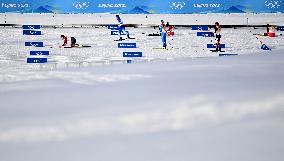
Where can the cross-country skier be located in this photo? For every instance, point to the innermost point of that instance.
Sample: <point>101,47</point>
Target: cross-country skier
<point>121,28</point>
<point>217,32</point>
<point>65,41</point>
<point>271,31</point>
<point>170,29</point>
<point>163,32</point>
<point>170,32</point>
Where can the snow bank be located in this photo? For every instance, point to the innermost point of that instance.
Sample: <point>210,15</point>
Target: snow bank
<point>145,19</point>
<point>180,109</point>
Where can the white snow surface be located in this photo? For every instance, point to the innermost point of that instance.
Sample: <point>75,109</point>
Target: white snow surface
<point>218,108</point>
<point>104,50</point>
<point>144,19</point>
<point>183,104</point>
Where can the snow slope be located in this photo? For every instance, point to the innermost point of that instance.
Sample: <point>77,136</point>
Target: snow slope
<point>104,50</point>
<point>145,19</point>
<point>219,108</point>
<point>183,104</point>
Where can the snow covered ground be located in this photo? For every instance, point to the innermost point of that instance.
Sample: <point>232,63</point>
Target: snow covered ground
<point>182,104</point>
<point>105,51</point>
<point>144,19</point>
<point>218,108</point>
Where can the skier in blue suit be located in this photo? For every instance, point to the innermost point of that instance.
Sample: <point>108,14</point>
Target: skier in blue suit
<point>163,33</point>
<point>121,28</point>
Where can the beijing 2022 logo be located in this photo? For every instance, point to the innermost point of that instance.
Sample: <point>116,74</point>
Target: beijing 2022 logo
<point>273,4</point>
<point>177,5</point>
<point>81,5</point>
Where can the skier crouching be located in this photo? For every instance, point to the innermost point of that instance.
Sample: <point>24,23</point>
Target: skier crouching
<point>65,41</point>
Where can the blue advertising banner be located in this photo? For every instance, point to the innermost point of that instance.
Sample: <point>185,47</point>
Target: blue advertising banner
<point>35,44</point>
<point>132,54</point>
<point>280,28</point>
<point>205,34</point>
<point>115,32</point>
<point>31,27</point>
<point>113,27</point>
<point>31,32</point>
<point>201,28</point>
<point>126,45</point>
<point>142,6</point>
<point>214,45</point>
<point>36,60</point>
<point>39,52</point>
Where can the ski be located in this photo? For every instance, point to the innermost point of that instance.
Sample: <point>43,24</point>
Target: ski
<point>216,51</point>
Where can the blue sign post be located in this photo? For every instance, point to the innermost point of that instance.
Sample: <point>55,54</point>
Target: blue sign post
<point>113,27</point>
<point>280,28</point>
<point>214,45</point>
<point>115,32</point>
<point>200,28</point>
<point>36,60</point>
<point>39,53</point>
<point>31,27</point>
<point>205,34</point>
<point>126,45</point>
<point>35,44</point>
<point>31,32</point>
<point>35,30</point>
<point>132,54</point>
